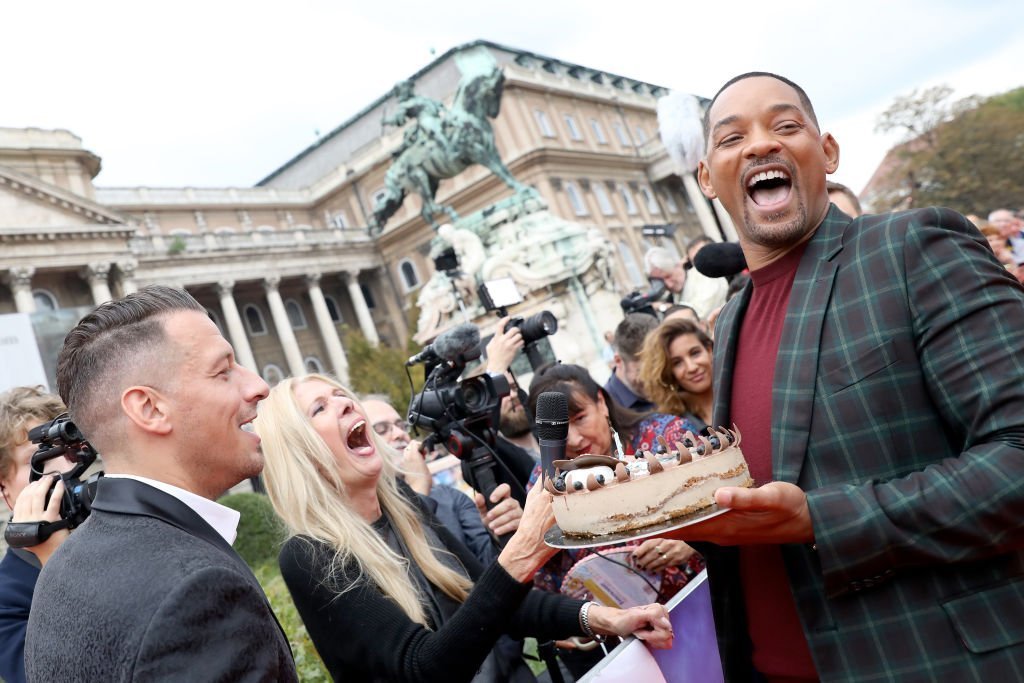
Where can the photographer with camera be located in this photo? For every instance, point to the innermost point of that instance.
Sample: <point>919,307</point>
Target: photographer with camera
<point>20,409</point>
<point>149,588</point>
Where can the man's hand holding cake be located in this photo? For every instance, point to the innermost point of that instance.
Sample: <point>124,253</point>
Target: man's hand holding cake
<point>776,512</point>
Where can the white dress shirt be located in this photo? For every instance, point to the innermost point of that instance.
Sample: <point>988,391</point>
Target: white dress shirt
<point>223,519</point>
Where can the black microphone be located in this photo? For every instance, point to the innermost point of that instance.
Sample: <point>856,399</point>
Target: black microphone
<point>458,342</point>
<point>552,429</point>
<point>720,259</point>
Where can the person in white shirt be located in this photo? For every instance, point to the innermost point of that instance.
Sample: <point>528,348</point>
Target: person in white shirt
<point>154,386</point>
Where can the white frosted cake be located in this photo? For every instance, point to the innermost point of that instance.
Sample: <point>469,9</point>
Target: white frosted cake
<point>597,495</point>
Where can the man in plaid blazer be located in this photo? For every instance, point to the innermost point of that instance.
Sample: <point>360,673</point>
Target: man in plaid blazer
<point>890,495</point>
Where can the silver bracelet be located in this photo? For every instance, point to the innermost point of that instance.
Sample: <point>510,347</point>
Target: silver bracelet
<point>585,623</point>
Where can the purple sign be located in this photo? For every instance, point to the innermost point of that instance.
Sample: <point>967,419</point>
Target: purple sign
<point>694,654</point>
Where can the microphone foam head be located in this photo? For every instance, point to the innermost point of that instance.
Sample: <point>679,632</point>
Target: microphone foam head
<point>552,415</point>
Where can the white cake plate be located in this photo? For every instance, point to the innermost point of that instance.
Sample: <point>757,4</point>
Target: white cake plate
<point>556,539</point>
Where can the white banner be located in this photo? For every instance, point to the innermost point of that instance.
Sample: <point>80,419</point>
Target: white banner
<point>20,362</point>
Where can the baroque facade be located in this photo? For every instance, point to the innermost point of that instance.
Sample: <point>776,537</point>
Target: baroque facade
<point>287,268</point>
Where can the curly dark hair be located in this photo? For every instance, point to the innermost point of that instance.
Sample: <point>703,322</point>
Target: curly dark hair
<point>659,383</point>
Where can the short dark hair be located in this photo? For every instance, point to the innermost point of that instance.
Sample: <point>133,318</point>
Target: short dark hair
<point>109,340</point>
<point>832,186</point>
<point>804,99</point>
<point>674,308</point>
<point>630,334</point>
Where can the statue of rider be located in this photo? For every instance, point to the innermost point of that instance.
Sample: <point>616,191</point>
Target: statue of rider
<point>427,113</point>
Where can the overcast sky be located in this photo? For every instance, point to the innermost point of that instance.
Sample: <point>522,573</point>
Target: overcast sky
<point>217,93</point>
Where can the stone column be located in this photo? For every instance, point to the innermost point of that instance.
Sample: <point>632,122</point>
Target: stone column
<point>362,311</point>
<point>700,205</point>
<point>283,326</point>
<point>20,282</point>
<point>236,331</point>
<point>328,331</point>
<point>96,274</point>
<point>128,285</point>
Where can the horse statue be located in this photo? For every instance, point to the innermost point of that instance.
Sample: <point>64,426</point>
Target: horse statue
<point>442,144</point>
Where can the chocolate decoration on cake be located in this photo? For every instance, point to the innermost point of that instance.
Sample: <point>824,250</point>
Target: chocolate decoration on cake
<point>584,461</point>
<point>592,484</point>
<point>549,486</point>
<point>621,473</point>
<point>653,464</point>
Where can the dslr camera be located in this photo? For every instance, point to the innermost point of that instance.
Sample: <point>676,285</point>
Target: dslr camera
<point>58,438</point>
<point>638,302</point>
<point>498,295</point>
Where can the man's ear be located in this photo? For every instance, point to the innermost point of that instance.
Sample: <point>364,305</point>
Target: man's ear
<point>617,359</point>
<point>831,149</point>
<point>704,178</point>
<point>147,408</point>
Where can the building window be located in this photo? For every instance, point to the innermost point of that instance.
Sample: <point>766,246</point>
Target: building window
<point>545,124</point>
<point>272,374</point>
<point>579,207</point>
<point>254,320</point>
<point>333,310</point>
<point>295,316</point>
<point>603,200</point>
<point>627,197</point>
<point>378,196</point>
<point>313,364</point>
<point>641,135</point>
<point>338,220</point>
<point>595,126</point>
<point>410,278</point>
<point>670,202</point>
<point>574,130</point>
<point>368,296</point>
<point>45,301</point>
<point>636,277</point>
<point>620,133</point>
<point>650,200</point>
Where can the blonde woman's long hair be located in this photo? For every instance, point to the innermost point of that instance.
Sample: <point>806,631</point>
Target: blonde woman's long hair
<point>306,490</point>
<point>659,383</point>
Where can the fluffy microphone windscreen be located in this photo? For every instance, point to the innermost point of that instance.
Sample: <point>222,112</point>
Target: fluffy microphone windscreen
<point>458,341</point>
<point>721,259</point>
<point>552,416</point>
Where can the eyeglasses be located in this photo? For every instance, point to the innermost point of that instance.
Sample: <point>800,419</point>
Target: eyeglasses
<point>384,426</point>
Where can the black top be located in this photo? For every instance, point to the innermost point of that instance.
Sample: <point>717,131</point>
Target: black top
<point>364,636</point>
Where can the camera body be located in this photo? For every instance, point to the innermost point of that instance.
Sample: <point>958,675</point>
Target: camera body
<point>454,410</point>
<point>637,302</point>
<point>57,438</point>
<point>534,328</point>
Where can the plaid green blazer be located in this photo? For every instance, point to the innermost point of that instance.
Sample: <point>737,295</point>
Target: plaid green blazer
<point>898,407</point>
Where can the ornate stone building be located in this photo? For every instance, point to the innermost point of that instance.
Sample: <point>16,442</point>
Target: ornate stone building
<point>286,268</point>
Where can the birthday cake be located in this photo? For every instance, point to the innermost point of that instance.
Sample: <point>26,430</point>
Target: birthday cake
<point>597,495</point>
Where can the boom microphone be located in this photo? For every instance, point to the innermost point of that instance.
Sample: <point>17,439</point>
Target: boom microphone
<point>552,429</point>
<point>460,341</point>
<point>720,259</point>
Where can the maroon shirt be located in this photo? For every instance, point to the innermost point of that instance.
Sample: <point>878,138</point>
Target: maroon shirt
<point>780,650</point>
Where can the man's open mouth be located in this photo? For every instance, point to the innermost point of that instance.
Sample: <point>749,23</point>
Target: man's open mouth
<point>768,188</point>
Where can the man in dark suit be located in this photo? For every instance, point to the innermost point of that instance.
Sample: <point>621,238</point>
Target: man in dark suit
<point>870,368</point>
<point>149,588</point>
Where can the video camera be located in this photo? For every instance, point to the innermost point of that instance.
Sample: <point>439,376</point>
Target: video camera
<point>59,437</point>
<point>635,302</point>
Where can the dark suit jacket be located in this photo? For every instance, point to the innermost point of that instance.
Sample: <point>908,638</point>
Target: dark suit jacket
<point>146,590</point>
<point>19,571</point>
<point>898,406</point>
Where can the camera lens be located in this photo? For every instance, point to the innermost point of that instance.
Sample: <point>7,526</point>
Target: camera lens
<point>539,326</point>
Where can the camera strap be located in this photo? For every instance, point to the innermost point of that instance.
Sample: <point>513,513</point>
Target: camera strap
<point>30,534</point>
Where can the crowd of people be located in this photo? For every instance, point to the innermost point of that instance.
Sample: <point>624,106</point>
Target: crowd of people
<point>868,360</point>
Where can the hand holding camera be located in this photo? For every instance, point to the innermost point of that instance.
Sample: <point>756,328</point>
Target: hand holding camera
<point>37,503</point>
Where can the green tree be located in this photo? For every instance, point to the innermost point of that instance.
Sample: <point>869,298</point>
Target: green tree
<point>381,369</point>
<point>966,154</point>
